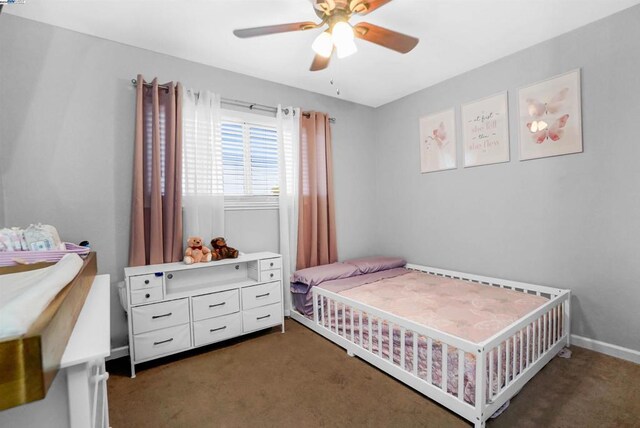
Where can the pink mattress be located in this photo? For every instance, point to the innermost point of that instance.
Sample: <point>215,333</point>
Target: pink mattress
<point>470,311</point>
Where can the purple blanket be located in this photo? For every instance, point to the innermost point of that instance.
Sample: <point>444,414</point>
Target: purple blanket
<point>303,297</point>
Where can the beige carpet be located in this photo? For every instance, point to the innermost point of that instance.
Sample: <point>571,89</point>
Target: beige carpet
<point>299,379</point>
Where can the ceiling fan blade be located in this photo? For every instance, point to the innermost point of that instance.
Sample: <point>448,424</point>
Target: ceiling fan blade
<point>320,62</point>
<point>384,37</point>
<point>364,7</point>
<point>274,29</point>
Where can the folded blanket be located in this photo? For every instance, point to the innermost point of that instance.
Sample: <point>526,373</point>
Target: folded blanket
<point>24,295</point>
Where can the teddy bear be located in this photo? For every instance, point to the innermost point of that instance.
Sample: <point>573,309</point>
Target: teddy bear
<point>196,252</point>
<point>220,248</point>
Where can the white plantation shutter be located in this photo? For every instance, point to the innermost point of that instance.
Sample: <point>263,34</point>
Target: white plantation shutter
<point>233,158</point>
<point>263,143</point>
<point>250,161</point>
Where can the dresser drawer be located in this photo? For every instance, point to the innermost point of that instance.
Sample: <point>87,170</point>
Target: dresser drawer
<point>146,295</point>
<point>261,295</point>
<point>160,315</point>
<point>215,304</point>
<point>161,342</point>
<point>146,281</point>
<point>268,264</point>
<point>263,317</point>
<point>217,329</point>
<point>270,275</point>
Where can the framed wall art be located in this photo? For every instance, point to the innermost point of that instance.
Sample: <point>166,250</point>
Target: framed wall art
<point>485,131</point>
<point>438,141</point>
<point>551,117</point>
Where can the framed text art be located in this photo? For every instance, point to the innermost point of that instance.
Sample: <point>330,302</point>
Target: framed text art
<point>485,131</point>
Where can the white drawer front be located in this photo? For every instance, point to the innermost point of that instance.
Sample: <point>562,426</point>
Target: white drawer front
<point>145,281</point>
<point>217,329</point>
<point>215,304</point>
<point>268,264</point>
<point>263,317</point>
<point>270,275</point>
<point>146,295</point>
<point>161,342</point>
<point>160,315</point>
<point>261,295</point>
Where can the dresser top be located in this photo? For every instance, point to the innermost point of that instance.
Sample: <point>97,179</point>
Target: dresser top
<point>172,267</point>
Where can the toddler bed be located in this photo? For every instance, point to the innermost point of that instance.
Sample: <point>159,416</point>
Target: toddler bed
<point>494,333</point>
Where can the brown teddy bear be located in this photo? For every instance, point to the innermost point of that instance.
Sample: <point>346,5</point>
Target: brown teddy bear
<point>196,252</point>
<point>220,248</point>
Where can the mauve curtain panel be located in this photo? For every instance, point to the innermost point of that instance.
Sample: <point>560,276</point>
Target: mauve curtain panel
<point>156,212</point>
<point>316,219</point>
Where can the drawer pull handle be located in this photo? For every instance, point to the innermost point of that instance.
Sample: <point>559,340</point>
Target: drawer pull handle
<point>217,329</point>
<point>170,276</point>
<point>262,295</point>
<point>271,264</point>
<point>162,341</point>
<point>218,304</point>
<point>237,267</point>
<point>146,281</point>
<point>147,295</point>
<point>161,316</point>
<point>271,275</point>
<point>261,318</point>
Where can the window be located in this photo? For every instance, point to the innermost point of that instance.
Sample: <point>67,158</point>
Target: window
<point>250,160</point>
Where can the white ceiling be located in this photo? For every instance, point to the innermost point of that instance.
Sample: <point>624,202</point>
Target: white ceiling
<point>455,36</point>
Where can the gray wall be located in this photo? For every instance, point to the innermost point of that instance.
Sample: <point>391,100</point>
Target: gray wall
<point>67,120</point>
<point>570,221</point>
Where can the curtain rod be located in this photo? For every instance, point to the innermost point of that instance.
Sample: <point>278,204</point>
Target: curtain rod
<point>244,104</point>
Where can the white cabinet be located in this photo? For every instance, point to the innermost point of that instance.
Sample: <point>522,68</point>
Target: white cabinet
<point>173,307</point>
<point>77,397</point>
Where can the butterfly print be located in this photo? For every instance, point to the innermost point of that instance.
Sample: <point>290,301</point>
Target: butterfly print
<point>541,131</point>
<point>539,109</point>
<point>439,135</point>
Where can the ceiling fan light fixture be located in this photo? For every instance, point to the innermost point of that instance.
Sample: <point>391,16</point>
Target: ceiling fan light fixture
<point>346,49</point>
<point>323,44</point>
<point>342,33</point>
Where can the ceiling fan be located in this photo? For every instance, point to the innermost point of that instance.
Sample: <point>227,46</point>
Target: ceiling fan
<point>339,35</point>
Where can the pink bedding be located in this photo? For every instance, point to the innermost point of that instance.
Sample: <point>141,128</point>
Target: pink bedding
<point>470,311</point>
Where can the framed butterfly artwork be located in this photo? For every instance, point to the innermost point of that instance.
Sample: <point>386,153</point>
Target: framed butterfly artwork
<point>551,117</point>
<point>485,131</point>
<point>438,141</point>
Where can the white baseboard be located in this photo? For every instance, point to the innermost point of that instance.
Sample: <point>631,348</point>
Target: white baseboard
<point>606,348</point>
<point>583,342</point>
<point>122,351</point>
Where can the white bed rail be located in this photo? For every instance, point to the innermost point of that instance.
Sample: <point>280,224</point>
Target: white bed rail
<point>436,363</point>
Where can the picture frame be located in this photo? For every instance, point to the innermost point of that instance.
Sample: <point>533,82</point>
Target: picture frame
<point>438,141</point>
<point>550,117</point>
<point>485,131</point>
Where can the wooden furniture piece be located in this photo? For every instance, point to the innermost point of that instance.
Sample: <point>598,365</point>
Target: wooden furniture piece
<point>545,330</point>
<point>174,307</point>
<point>77,397</point>
<point>29,363</point>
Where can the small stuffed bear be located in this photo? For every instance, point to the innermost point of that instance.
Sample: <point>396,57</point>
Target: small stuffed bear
<point>220,248</point>
<point>196,252</point>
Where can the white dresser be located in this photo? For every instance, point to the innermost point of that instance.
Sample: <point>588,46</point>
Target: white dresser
<point>174,307</point>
